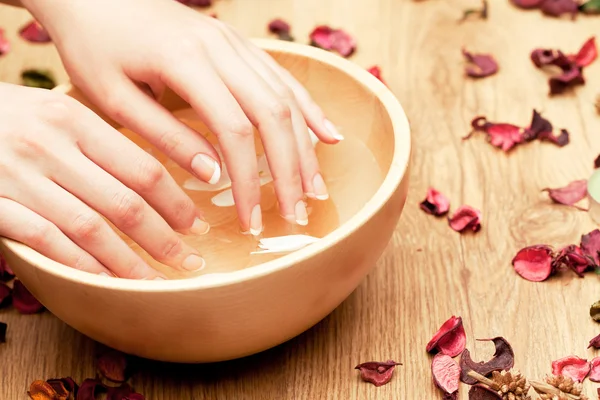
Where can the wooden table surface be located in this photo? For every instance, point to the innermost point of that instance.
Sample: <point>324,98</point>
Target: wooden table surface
<point>428,271</point>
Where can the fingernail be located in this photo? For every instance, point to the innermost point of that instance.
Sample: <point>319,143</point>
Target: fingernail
<point>333,130</point>
<point>319,187</point>
<point>256,221</point>
<point>206,167</point>
<point>159,278</point>
<point>200,227</point>
<point>193,262</point>
<point>301,214</point>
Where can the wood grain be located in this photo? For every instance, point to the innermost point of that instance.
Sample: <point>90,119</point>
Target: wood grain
<point>428,272</point>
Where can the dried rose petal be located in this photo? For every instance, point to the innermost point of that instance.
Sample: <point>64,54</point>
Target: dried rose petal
<point>450,339</point>
<point>377,373</point>
<point>503,359</point>
<point>42,390</point>
<point>113,366</point>
<point>528,3</point>
<point>5,295</point>
<point>450,396</point>
<point>545,57</point>
<point>590,245</point>
<point>327,38</point>
<point>573,257</point>
<point>196,3</point>
<point>572,367</point>
<point>534,263</point>
<point>557,8</point>
<point>597,162</point>
<point>6,274</point>
<point>594,375</point>
<point>123,392</point>
<point>35,33</point>
<point>376,72</point>
<point>569,78</point>
<point>587,54</point>
<point>63,386</point>
<point>483,65</point>
<point>4,45</point>
<point>504,136</point>
<point>445,373</point>
<point>281,29</point>
<point>90,388</point>
<point>3,328</point>
<point>595,342</point>
<point>466,217</point>
<point>561,140</point>
<point>539,126</point>
<point>24,301</point>
<point>435,203</point>
<point>570,194</point>
<point>481,392</point>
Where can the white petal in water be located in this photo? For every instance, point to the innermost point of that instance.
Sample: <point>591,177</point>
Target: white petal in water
<point>225,198</point>
<point>284,244</point>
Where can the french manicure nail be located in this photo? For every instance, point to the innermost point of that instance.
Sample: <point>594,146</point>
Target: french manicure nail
<point>206,167</point>
<point>256,221</point>
<point>319,187</point>
<point>333,130</point>
<point>301,213</point>
<point>200,227</point>
<point>104,274</point>
<point>193,262</point>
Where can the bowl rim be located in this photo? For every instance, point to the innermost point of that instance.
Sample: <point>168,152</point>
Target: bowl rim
<point>394,177</point>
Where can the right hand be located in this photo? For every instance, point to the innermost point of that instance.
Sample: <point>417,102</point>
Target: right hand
<point>62,168</point>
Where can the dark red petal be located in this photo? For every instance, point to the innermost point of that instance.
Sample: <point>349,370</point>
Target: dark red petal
<point>595,371</point>
<point>528,3</point>
<point>4,46</point>
<point>24,301</point>
<point>452,324</point>
<point>557,8</point>
<point>377,373</point>
<point>483,65</point>
<point>333,39</point>
<point>135,396</point>
<point>595,342</point>
<point>196,3</point>
<point>597,162</point>
<point>435,203</point>
<point>570,194</point>
<point>561,140</point>
<point>6,274</point>
<point>587,54</point>
<point>481,392</point>
<point>569,78</point>
<point>3,328</point>
<point>376,72</point>
<point>64,385</point>
<point>539,126</point>
<point>503,359</point>
<point>90,388</point>
<point>466,217</point>
<point>534,263</point>
<point>35,33</point>
<point>450,396</point>
<point>123,392</point>
<point>5,295</point>
<point>573,257</point>
<point>590,245</point>
<point>113,366</point>
<point>545,57</point>
<point>279,26</point>
<point>445,373</point>
<point>572,367</point>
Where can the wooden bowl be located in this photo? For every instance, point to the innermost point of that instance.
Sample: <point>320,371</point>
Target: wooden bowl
<point>222,316</point>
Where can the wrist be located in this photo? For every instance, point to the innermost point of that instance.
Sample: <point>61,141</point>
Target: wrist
<point>47,12</point>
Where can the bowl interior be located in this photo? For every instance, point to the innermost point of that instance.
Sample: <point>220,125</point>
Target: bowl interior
<point>358,171</point>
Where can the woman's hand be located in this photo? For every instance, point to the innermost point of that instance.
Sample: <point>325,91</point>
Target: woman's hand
<point>122,54</point>
<point>62,168</point>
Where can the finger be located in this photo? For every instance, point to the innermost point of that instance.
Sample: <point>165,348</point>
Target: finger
<point>86,228</point>
<point>223,116</point>
<point>141,172</point>
<point>126,210</point>
<point>312,180</point>
<point>272,116</point>
<point>23,225</point>
<point>134,109</point>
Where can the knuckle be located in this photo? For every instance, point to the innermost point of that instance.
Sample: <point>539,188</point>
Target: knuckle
<point>56,110</point>
<point>169,142</point>
<point>185,210</point>
<point>87,226</point>
<point>38,234</point>
<point>240,127</point>
<point>279,111</point>
<point>170,249</point>
<point>129,209</point>
<point>151,172</point>
<point>82,262</point>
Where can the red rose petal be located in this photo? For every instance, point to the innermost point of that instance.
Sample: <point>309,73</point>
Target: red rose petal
<point>503,359</point>
<point>590,245</point>
<point>333,39</point>
<point>595,371</point>
<point>570,194</point>
<point>5,295</point>
<point>377,373</point>
<point>573,257</point>
<point>481,392</point>
<point>483,65</point>
<point>534,263</point>
<point>569,78</point>
<point>90,388</point>
<point>24,301</point>
<point>35,33</point>
<point>545,57</point>
<point>572,367</point>
<point>113,366</point>
<point>376,72</point>
<point>466,217</point>
<point>435,203</point>
<point>504,136</point>
<point>595,342</point>
<point>445,373</point>
<point>450,339</point>
<point>279,26</point>
<point>557,8</point>
<point>4,45</point>
<point>528,3</point>
<point>6,274</point>
<point>587,54</point>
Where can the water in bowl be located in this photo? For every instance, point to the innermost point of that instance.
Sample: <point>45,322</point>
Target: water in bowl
<point>350,170</point>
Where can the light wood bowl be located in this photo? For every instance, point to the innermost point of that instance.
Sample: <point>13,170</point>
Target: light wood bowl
<point>217,317</point>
